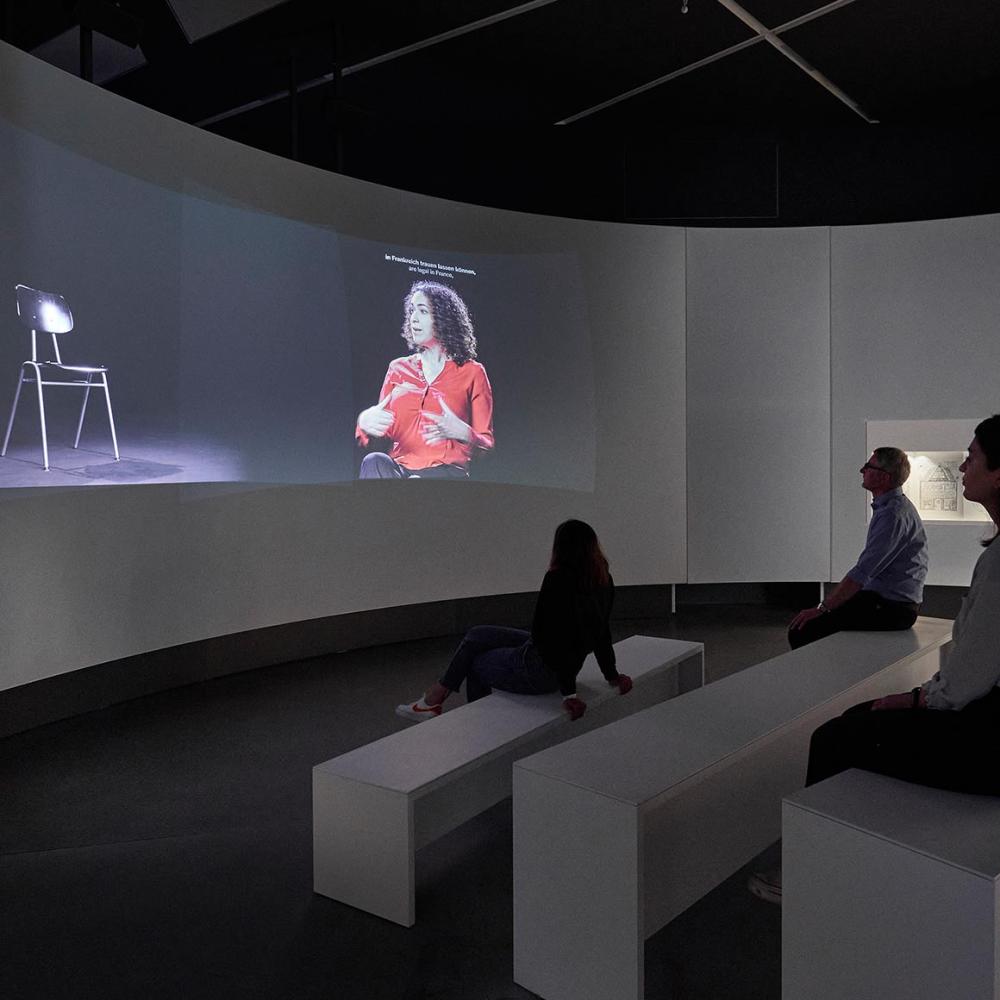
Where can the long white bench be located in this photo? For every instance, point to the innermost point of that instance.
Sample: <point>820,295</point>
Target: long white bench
<point>890,890</point>
<point>375,806</point>
<point>620,830</point>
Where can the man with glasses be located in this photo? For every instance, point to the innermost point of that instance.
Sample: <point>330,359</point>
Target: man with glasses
<point>883,590</point>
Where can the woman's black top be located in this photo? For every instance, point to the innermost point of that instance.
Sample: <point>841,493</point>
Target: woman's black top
<point>571,621</point>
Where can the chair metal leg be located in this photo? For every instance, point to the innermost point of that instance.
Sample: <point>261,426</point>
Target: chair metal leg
<point>111,416</point>
<point>13,410</point>
<point>41,412</point>
<point>83,410</point>
<point>41,415</point>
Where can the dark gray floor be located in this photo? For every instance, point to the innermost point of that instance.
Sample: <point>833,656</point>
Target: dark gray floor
<point>161,849</point>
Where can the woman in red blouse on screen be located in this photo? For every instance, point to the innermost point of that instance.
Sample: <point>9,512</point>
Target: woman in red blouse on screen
<point>436,405</point>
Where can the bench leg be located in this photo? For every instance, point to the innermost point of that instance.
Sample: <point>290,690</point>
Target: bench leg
<point>363,847</point>
<point>578,920</point>
<point>863,916</point>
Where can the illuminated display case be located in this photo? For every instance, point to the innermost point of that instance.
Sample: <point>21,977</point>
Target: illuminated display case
<point>936,449</point>
<point>935,487</point>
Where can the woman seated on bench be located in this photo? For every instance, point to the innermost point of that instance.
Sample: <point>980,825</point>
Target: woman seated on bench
<point>571,619</point>
<point>945,733</point>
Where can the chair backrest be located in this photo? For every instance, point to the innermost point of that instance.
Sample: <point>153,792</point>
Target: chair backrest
<point>45,312</point>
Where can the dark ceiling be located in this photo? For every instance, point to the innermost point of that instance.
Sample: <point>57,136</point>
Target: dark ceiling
<point>760,112</point>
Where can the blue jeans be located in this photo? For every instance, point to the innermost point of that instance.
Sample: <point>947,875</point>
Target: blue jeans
<point>491,656</point>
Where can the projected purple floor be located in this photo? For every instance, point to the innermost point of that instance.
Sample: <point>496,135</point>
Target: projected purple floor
<point>148,460</point>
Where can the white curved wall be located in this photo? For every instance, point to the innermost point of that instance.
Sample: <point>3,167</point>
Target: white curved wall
<point>758,405</point>
<point>97,574</point>
<point>915,320</point>
<point>744,363</point>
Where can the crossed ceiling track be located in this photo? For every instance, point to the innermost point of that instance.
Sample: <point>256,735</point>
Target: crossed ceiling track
<point>761,34</point>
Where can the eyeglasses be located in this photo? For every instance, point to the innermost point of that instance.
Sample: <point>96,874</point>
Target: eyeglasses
<point>874,468</point>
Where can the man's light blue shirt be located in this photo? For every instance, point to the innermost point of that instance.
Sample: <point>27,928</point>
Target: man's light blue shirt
<point>894,560</point>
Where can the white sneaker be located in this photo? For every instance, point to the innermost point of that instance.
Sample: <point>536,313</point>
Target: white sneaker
<point>418,711</point>
<point>766,886</point>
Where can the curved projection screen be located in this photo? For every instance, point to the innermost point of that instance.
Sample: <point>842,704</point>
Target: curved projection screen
<point>241,346</point>
<point>248,310</point>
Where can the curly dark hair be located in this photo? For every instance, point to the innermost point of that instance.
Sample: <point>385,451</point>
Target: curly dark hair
<point>452,325</point>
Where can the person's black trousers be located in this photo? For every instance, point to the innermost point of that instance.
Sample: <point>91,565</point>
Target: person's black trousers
<point>958,751</point>
<point>866,611</point>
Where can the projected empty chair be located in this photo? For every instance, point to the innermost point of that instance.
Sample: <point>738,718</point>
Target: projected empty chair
<point>46,312</point>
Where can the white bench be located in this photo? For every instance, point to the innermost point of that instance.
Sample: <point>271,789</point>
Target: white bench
<point>375,806</point>
<point>890,890</point>
<point>620,830</point>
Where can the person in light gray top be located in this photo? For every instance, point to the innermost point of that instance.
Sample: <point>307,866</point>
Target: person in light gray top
<point>945,733</point>
<point>970,666</point>
<point>884,588</point>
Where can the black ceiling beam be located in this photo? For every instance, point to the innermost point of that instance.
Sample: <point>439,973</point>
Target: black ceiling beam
<point>110,20</point>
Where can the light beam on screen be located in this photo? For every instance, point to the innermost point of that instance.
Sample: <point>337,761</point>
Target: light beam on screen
<point>261,302</point>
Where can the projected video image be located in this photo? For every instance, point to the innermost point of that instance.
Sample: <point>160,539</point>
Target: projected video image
<point>200,341</point>
<point>435,406</point>
<point>220,331</point>
<point>469,366</point>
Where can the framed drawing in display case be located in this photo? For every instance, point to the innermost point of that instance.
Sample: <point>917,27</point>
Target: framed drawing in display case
<point>935,487</point>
